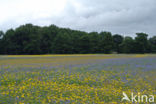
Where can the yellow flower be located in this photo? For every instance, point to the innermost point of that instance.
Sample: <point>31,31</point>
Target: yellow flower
<point>22,96</point>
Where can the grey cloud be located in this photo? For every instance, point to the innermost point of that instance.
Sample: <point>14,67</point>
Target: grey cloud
<point>118,16</point>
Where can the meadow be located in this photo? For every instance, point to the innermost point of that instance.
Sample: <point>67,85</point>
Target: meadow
<point>75,79</point>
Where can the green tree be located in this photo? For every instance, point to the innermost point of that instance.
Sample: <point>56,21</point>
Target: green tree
<point>128,45</point>
<point>106,42</point>
<point>76,41</point>
<point>1,34</point>
<point>48,35</point>
<point>85,44</point>
<point>27,37</point>
<point>94,42</point>
<point>31,39</point>
<point>8,45</point>
<point>1,43</point>
<point>152,42</point>
<point>62,44</point>
<point>117,39</point>
<point>141,43</point>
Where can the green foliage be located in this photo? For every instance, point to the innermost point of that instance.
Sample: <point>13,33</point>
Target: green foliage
<point>152,42</point>
<point>62,44</point>
<point>1,43</point>
<point>30,39</point>
<point>85,46</point>
<point>8,44</point>
<point>94,42</point>
<point>47,37</point>
<point>106,42</point>
<point>1,34</point>
<point>128,45</point>
<point>141,43</point>
<point>117,39</point>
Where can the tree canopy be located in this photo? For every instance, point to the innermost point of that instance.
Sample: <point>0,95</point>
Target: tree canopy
<point>31,39</point>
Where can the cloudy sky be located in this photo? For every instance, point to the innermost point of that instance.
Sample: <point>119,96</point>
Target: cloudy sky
<point>124,17</point>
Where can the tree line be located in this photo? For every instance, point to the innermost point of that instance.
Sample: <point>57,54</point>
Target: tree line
<point>31,39</point>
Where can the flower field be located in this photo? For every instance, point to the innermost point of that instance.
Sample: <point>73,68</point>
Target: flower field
<point>75,79</point>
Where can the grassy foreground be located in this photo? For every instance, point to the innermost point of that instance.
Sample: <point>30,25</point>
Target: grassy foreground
<point>75,79</point>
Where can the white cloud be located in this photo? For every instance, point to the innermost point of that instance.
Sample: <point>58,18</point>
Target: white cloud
<point>117,16</point>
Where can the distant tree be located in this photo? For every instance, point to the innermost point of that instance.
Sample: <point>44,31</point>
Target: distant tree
<point>27,37</point>
<point>48,35</point>
<point>31,39</point>
<point>8,45</point>
<point>94,42</point>
<point>1,43</point>
<point>106,42</point>
<point>152,42</point>
<point>62,44</point>
<point>1,34</point>
<point>141,43</point>
<point>117,39</point>
<point>84,44</point>
<point>76,41</point>
<point>128,45</point>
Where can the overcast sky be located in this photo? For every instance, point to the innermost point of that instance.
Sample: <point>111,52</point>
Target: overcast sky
<point>125,17</point>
